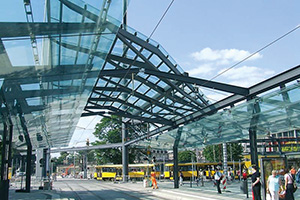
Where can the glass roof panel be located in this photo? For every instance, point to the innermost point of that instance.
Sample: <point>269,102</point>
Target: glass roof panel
<point>54,77</point>
<point>164,68</point>
<point>155,60</point>
<point>233,124</point>
<point>146,53</point>
<point>143,89</point>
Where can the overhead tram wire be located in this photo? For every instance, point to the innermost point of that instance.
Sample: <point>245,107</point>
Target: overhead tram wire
<point>162,17</point>
<point>259,50</point>
<point>152,31</point>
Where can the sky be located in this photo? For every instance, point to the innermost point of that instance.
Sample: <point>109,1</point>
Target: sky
<point>207,37</point>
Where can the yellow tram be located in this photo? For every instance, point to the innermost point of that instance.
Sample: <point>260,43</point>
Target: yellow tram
<point>195,170</point>
<point>114,172</point>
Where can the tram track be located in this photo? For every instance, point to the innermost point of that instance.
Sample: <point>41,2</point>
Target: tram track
<point>78,195</point>
<point>140,192</point>
<point>118,188</point>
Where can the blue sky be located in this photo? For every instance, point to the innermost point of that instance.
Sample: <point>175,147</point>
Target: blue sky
<point>205,37</point>
<point>192,26</point>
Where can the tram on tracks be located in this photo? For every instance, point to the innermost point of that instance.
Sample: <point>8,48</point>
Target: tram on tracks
<point>114,172</point>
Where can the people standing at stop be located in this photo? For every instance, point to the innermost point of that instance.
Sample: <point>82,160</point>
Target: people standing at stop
<point>273,185</point>
<point>289,185</point>
<point>218,176</point>
<point>245,176</point>
<point>293,172</point>
<point>256,185</point>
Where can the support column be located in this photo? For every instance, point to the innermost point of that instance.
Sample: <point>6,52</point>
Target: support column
<point>255,110</point>
<point>6,159</point>
<point>175,158</point>
<point>85,165</point>
<point>225,159</point>
<point>47,162</point>
<point>39,165</point>
<point>28,167</point>
<point>29,148</point>
<point>125,156</point>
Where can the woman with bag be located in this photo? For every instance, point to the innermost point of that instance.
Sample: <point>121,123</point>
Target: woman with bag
<point>273,186</point>
<point>289,186</point>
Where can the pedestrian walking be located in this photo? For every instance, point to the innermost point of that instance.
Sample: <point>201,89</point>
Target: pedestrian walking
<point>273,185</point>
<point>153,180</point>
<point>256,185</point>
<point>181,178</point>
<point>218,176</point>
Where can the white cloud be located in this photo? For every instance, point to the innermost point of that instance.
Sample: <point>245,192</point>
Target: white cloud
<point>204,69</point>
<point>246,75</point>
<point>223,56</point>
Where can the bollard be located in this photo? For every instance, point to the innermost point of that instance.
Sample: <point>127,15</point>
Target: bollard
<point>247,195</point>
<point>244,187</point>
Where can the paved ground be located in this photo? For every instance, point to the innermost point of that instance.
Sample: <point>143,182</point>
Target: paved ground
<point>74,189</point>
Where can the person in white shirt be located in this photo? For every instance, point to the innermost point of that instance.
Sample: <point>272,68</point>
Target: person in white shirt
<point>273,185</point>
<point>218,176</point>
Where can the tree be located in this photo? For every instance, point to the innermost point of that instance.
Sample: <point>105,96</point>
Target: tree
<point>186,156</point>
<point>62,159</point>
<point>214,153</point>
<point>109,131</point>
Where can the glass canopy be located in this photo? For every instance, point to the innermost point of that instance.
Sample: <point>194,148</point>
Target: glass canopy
<point>278,112</point>
<point>48,69</point>
<point>78,61</point>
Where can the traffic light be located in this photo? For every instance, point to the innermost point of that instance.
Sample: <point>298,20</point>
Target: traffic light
<point>39,137</point>
<point>42,162</point>
<point>153,159</point>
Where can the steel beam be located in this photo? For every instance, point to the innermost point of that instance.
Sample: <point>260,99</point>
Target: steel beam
<point>166,61</point>
<point>4,181</point>
<point>125,155</point>
<point>271,83</point>
<point>175,157</point>
<point>24,29</point>
<point>119,112</point>
<point>200,82</point>
<point>29,148</point>
<point>6,151</point>
<point>182,78</point>
<point>142,96</point>
<point>104,146</point>
<point>163,93</point>
<point>40,93</point>
<point>108,98</point>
